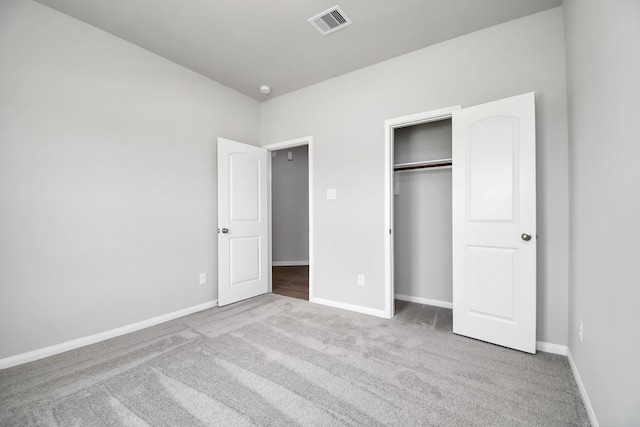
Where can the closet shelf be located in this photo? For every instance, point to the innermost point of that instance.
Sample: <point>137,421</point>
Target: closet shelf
<point>422,165</point>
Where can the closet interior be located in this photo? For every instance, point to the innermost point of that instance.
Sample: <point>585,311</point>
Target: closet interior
<point>422,213</point>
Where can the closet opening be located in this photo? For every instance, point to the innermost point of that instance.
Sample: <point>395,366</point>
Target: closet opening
<point>418,209</point>
<point>422,216</point>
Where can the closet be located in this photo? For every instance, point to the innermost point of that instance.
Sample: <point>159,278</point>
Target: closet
<point>461,232</point>
<point>422,213</point>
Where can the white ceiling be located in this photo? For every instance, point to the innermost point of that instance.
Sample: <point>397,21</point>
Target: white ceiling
<point>247,43</point>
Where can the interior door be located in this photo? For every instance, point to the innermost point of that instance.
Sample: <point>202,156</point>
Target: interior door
<point>242,222</point>
<point>494,222</point>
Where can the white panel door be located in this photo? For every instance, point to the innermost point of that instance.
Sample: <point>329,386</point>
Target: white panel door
<point>494,222</point>
<point>242,222</point>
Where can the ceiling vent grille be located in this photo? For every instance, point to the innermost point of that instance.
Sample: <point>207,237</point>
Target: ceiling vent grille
<point>330,21</point>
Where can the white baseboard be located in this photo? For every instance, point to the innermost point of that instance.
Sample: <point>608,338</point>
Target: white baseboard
<point>30,356</point>
<point>583,391</point>
<point>350,307</point>
<point>548,347</point>
<point>288,263</point>
<point>426,301</point>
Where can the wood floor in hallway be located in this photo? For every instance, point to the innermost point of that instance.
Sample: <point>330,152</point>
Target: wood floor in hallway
<point>291,281</point>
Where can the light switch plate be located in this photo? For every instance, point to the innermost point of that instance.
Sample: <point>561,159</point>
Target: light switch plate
<point>331,194</point>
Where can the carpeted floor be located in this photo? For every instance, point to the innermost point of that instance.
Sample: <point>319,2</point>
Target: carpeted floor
<point>278,361</point>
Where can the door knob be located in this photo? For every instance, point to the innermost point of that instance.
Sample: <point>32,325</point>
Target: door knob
<point>224,230</point>
<point>526,237</point>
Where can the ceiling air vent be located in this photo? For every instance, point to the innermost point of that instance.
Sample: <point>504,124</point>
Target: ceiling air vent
<point>330,20</point>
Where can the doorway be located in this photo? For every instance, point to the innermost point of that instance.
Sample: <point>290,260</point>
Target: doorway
<point>391,126</point>
<point>422,214</point>
<point>290,206</point>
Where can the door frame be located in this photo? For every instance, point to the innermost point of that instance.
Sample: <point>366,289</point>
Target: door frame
<point>308,141</point>
<point>390,126</point>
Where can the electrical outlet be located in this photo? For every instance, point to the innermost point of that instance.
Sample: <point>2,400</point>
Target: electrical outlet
<point>360,279</point>
<point>203,278</point>
<point>580,330</point>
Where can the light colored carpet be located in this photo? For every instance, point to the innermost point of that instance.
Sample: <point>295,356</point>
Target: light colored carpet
<point>278,361</point>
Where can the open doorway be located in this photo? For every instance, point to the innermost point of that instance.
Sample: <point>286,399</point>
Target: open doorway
<point>416,146</point>
<point>290,219</point>
<point>423,270</point>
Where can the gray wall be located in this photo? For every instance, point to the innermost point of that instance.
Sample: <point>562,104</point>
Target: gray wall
<point>290,205</point>
<point>603,64</point>
<point>107,179</point>
<point>423,214</point>
<point>346,117</point>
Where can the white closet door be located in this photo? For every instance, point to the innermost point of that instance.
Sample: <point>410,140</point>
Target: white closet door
<point>243,246</point>
<point>494,222</point>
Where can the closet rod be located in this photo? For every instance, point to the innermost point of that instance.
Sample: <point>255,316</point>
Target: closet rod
<point>422,165</point>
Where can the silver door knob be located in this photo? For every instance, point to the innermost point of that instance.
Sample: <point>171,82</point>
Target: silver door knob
<point>226,230</point>
<point>526,237</point>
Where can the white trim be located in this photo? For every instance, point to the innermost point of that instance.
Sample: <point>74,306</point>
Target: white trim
<point>349,307</point>
<point>288,263</point>
<point>30,356</point>
<point>308,141</point>
<point>389,126</point>
<point>548,347</point>
<point>583,391</point>
<point>288,144</point>
<point>426,301</point>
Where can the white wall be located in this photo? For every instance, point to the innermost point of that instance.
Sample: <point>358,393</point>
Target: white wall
<point>603,65</point>
<point>346,117</point>
<point>107,179</point>
<point>290,205</point>
<point>423,265</point>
